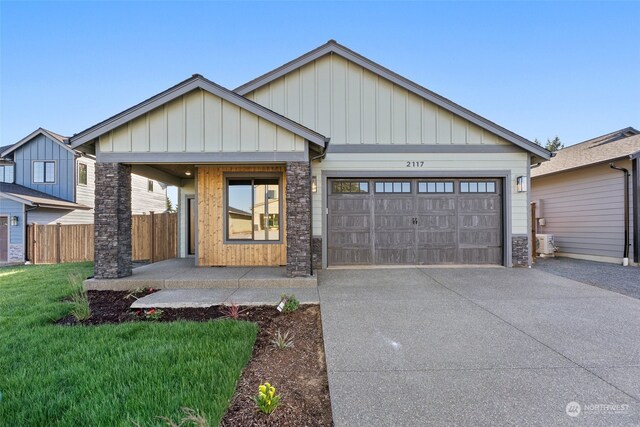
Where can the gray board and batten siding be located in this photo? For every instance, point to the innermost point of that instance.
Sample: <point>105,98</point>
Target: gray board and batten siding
<point>403,224</point>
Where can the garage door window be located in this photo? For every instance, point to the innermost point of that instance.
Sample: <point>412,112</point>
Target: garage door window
<point>393,187</point>
<point>435,187</point>
<point>350,187</point>
<point>477,187</point>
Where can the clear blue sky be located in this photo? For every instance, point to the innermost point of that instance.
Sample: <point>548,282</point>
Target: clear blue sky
<point>539,69</point>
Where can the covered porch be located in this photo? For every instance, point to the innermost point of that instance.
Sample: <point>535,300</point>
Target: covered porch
<point>244,179</point>
<point>182,273</point>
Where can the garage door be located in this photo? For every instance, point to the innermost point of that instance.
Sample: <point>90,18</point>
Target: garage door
<point>414,221</point>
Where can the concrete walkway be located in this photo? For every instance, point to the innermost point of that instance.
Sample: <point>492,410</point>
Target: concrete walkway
<point>181,298</point>
<point>408,347</point>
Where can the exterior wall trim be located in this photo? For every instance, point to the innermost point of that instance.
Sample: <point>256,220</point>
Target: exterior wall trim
<point>505,175</point>
<point>203,157</point>
<point>28,138</point>
<point>422,148</point>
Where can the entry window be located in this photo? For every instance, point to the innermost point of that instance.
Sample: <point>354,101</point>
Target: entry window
<point>6,173</point>
<point>350,187</point>
<point>82,174</point>
<point>44,172</point>
<point>253,209</point>
<point>477,187</point>
<point>435,187</point>
<point>393,187</point>
<point>150,186</point>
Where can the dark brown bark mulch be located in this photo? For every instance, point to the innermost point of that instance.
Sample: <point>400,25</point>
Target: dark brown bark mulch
<point>298,373</point>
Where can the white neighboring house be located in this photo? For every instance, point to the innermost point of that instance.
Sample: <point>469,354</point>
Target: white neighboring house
<point>44,181</point>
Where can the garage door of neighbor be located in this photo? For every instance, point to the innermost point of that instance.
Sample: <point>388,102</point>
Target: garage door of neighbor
<point>414,221</point>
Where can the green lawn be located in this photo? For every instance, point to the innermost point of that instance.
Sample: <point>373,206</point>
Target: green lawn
<point>109,375</point>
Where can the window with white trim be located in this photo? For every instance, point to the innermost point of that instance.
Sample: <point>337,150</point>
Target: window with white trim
<point>6,173</point>
<point>44,172</point>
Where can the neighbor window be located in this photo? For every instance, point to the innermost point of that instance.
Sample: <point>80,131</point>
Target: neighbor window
<point>350,187</point>
<point>149,185</point>
<point>44,172</point>
<point>393,187</point>
<point>253,209</point>
<point>477,187</point>
<point>82,174</point>
<point>6,173</point>
<point>435,187</point>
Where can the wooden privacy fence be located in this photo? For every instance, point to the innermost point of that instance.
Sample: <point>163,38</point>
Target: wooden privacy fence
<point>154,238</point>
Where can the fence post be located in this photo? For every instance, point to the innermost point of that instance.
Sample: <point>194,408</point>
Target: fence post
<point>58,245</point>
<point>35,243</point>
<point>153,237</point>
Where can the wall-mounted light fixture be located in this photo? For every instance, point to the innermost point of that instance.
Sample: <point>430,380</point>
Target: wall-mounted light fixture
<point>188,173</point>
<point>314,184</point>
<point>521,184</point>
<point>14,220</point>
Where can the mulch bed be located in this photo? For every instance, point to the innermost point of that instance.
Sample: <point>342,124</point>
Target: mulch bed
<point>298,373</point>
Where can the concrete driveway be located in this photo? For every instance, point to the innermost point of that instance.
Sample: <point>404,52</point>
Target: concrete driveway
<point>478,346</point>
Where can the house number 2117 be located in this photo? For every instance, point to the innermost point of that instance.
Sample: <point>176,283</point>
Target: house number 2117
<point>415,164</point>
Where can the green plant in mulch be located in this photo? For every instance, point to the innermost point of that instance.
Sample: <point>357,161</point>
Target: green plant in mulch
<point>267,401</point>
<point>282,341</point>
<point>288,303</point>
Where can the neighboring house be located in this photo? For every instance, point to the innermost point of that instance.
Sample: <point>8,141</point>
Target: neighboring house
<point>409,177</point>
<point>580,198</point>
<point>44,181</point>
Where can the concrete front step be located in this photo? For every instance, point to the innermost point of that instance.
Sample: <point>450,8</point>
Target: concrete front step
<point>183,298</point>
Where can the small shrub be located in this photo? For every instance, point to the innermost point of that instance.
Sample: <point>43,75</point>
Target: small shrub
<point>266,400</point>
<point>149,314</point>
<point>79,298</point>
<point>282,341</point>
<point>231,311</point>
<point>291,303</point>
<point>191,417</point>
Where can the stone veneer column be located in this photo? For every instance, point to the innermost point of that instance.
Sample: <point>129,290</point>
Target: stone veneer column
<point>112,220</point>
<point>298,198</point>
<point>520,251</point>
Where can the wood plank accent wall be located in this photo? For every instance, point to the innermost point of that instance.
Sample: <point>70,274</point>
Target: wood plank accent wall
<point>212,250</point>
<point>53,244</point>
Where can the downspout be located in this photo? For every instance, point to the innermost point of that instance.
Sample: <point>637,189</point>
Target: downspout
<point>319,157</point>
<point>625,259</point>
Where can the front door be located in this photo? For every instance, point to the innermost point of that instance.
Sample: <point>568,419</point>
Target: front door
<point>4,238</point>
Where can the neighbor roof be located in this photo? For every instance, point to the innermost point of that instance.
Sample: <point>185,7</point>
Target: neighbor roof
<point>188,85</point>
<point>33,197</point>
<point>615,145</point>
<point>333,47</point>
<point>5,151</point>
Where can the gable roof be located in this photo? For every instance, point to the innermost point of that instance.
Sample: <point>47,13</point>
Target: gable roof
<point>333,47</point>
<point>196,82</point>
<point>615,145</point>
<point>31,197</point>
<point>5,151</point>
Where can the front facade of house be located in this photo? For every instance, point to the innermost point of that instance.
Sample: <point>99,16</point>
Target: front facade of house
<point>330,159</point>
<point>580,198</point>
<point>44,181</point>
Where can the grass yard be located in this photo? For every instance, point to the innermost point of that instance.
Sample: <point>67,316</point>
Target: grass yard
<point>109,375</point>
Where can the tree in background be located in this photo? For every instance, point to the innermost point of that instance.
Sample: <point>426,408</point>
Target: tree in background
<point>552,144</point>
<point>170,205</point>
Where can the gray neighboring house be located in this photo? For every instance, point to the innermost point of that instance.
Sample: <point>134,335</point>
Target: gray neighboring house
<point>44,181</point>
<point>581,197</point>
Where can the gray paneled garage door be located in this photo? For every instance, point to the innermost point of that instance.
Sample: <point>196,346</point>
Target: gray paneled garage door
<point>414,221</point>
